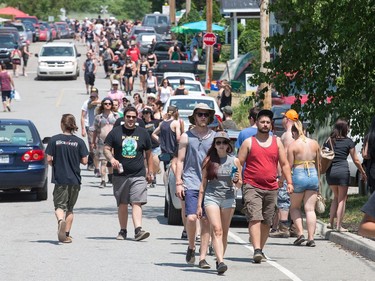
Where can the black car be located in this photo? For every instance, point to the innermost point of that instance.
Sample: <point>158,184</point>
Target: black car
<point>161,49</point>
<point>7,44</point>
<point>23,164</point>
<point>174,66</point>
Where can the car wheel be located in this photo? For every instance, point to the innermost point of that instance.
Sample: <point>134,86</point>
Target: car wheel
<point>174,215</point>
<point>42,194</point>
<point>165,208</point>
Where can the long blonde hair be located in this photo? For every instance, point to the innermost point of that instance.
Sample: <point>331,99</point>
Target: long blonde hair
<point>298,128</point>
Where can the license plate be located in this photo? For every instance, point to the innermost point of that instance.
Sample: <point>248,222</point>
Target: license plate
<point>4,159</point>
<point>56,72</point>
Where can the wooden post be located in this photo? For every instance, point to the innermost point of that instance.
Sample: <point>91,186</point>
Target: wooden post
<point>265,54</point>
<point>209,49</point>
<point>172,12</point>
<point>188,6</point>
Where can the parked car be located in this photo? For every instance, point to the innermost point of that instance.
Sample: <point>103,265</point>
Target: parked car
<point>58,59</point>
<point>24,34</point>
<point>53,31</point>
<point>7,44</point>
<point>194,87</point>
<point>44,33</point>
<point>136,30</point>
<point>30,27</point>
<point>34,20</point>
<point>161,50</point>
<point>174,66</point>
<point>23,164</point>
<point>63,28</point>
<point>12,30</point>
<point>160,22</point>
<point>144,41</point>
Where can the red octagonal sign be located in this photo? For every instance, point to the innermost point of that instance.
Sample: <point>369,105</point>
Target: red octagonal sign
<point>209,39</point>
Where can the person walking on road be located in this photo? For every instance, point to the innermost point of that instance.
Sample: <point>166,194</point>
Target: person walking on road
<point>25,56</point>
<point>164,91</point>
<point>7,85</point>
<point>193,148</point>
<point>218,192</point>
<point>129,144</point>
<point>228,123</point>
<point>262,153</point>
<point>304,158</point>
<point>368,154</point>
<point>65,152</point>
<point>16,56</point>
<point>338,174</point>
<point>89,69</point>
<point>115,93</point>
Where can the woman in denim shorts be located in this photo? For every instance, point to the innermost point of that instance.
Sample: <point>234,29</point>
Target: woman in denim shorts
<point>221,172</point>
<point>303,156</point>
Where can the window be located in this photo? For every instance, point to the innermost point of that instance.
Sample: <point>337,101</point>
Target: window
<point>16,134</point>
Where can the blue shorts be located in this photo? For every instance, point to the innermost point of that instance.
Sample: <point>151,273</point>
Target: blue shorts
<point>283,198</point>
<point>305,179</point>
<point>191,203</point>
<point>156,151</point>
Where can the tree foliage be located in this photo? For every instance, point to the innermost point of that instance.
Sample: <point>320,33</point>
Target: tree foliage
<point>327,49</point>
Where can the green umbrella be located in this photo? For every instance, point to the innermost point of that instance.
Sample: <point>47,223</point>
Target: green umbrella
<point>183,30</point>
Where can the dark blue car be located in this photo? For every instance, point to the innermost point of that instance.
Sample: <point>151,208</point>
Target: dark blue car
<point>23,163</point>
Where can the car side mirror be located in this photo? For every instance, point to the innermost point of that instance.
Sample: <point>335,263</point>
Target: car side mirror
<point>78,55</point>
<point>37,55</point>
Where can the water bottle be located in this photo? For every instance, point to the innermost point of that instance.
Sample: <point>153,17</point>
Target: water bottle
<point>234,171</point>
<point>120,168</point>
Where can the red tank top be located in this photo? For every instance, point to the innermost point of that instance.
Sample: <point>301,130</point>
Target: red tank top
<point>261,165</point>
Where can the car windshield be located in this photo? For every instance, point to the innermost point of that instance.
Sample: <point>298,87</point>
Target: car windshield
<point>179,77</point>
<point>190,87</point>
<point>7,41</point>
<point>189,104</point>
<point>14,134</point>
<point>147,38</point>
<point>57,51</point>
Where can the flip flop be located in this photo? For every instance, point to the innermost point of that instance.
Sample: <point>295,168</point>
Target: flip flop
<point>341,229</point>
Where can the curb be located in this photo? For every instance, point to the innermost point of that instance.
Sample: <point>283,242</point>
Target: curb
<point>361,245</point>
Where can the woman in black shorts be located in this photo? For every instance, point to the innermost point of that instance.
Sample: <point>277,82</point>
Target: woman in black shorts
<point>142,70</point>
<point>130,69</point>
<point>152,59</point>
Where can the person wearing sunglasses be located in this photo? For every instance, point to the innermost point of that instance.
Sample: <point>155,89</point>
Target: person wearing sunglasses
<point>103,124</point>
<point>126,148</point>
<point>221,172</point>
<point>193,148</point>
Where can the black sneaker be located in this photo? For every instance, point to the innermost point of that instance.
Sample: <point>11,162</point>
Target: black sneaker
<point>221,268</point>
<point>190,256</point>
<point>310,243</point>
<point>204,264</point>
<point>258,255</point>
<point>121,235</point>
<point>264,258</point>
<point>184,235</point>
<point>299,240</point>
<point>141,235</point>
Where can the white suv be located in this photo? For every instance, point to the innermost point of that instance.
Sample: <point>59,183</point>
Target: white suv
<point>58,59</point>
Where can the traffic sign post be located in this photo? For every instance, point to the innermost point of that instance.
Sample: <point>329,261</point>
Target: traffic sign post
<point>209,39</point>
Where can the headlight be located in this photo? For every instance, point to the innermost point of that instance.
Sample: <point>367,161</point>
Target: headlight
<point>43,63</point>
<point>69,63</point>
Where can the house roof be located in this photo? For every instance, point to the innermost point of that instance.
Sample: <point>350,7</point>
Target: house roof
<point>240,6</point>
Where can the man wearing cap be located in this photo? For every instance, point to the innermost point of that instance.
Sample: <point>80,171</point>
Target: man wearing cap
<point>25,56</point>
<point>193,148</point>
<point>262,153</point>
<point>89,69</point>
<point>115,93</point>
<point>228,122</point>
<point>130,146</point>
<point>281,226</point>
<point>87,124</point>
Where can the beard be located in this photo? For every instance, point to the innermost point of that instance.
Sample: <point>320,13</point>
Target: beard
<point>264,130</point>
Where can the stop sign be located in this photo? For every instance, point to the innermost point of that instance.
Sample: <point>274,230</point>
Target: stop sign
<point>209,39</point>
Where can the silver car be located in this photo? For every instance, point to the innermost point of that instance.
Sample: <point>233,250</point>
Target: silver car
<point>144,41</point>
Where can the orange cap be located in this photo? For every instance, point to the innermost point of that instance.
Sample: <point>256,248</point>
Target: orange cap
<point>291,114</point>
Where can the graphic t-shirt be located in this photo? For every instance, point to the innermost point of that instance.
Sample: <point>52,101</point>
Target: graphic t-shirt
<point>129,146</point>
<point>67,152</point>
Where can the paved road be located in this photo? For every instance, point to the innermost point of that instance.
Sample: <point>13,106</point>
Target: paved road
<point>30,251</point>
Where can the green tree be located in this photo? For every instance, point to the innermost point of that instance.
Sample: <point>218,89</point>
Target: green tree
<point>249,39</point>
<point>327,50</point>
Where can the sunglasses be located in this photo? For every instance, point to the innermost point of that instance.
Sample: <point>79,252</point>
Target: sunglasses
<point>131,117</point>
<point>221,142</point>
<point>201,114</point>
<point>107,103</point>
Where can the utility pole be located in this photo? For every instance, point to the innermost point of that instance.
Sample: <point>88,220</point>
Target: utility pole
<point>209,49</point>
<point>188,6</point>
<point>172,12</point>
<point>265,54</point>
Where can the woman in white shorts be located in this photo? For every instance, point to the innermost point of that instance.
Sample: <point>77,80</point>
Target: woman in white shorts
<point>221,174</point>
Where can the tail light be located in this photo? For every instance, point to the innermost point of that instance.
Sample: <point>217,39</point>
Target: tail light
<point>197,78</point>
<point>219,118</point>
<point>33,155</point>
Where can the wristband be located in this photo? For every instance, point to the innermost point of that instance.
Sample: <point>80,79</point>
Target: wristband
<point>290,183</point>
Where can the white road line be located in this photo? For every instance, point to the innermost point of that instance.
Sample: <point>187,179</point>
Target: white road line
<point>291,275</point>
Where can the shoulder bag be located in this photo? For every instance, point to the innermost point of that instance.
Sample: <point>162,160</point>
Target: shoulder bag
<point>326,157</point>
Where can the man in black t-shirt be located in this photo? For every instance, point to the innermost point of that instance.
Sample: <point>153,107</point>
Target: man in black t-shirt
<point>65,152</point>
<point>129,144</point>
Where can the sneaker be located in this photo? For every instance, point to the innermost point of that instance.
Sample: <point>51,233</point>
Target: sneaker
<point>61,235</point>
<point>68,240</point>
<point>184,235</point>
<point>258,256</point>
<point>97,173</point>
<point>91,167</point>
<point>211,250</point>
<point>282,232</point>
<point>190,256</point>
<point>264,258</point>
<point>310,243</point>
<point>141,235</point>
<point>204,264</point>
<point>8,108</point>
<point>299,240</point>
<point>121,235</point>
<point>102,184</point>
<point>221,268</point>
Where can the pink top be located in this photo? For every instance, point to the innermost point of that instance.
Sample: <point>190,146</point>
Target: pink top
<point>118,95</point>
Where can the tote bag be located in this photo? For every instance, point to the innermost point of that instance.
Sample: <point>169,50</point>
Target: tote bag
<point>326,157</point>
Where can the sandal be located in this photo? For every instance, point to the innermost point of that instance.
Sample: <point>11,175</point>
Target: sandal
<point>299,240</point>
<point>310,243</point>
<point>341,229</point>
